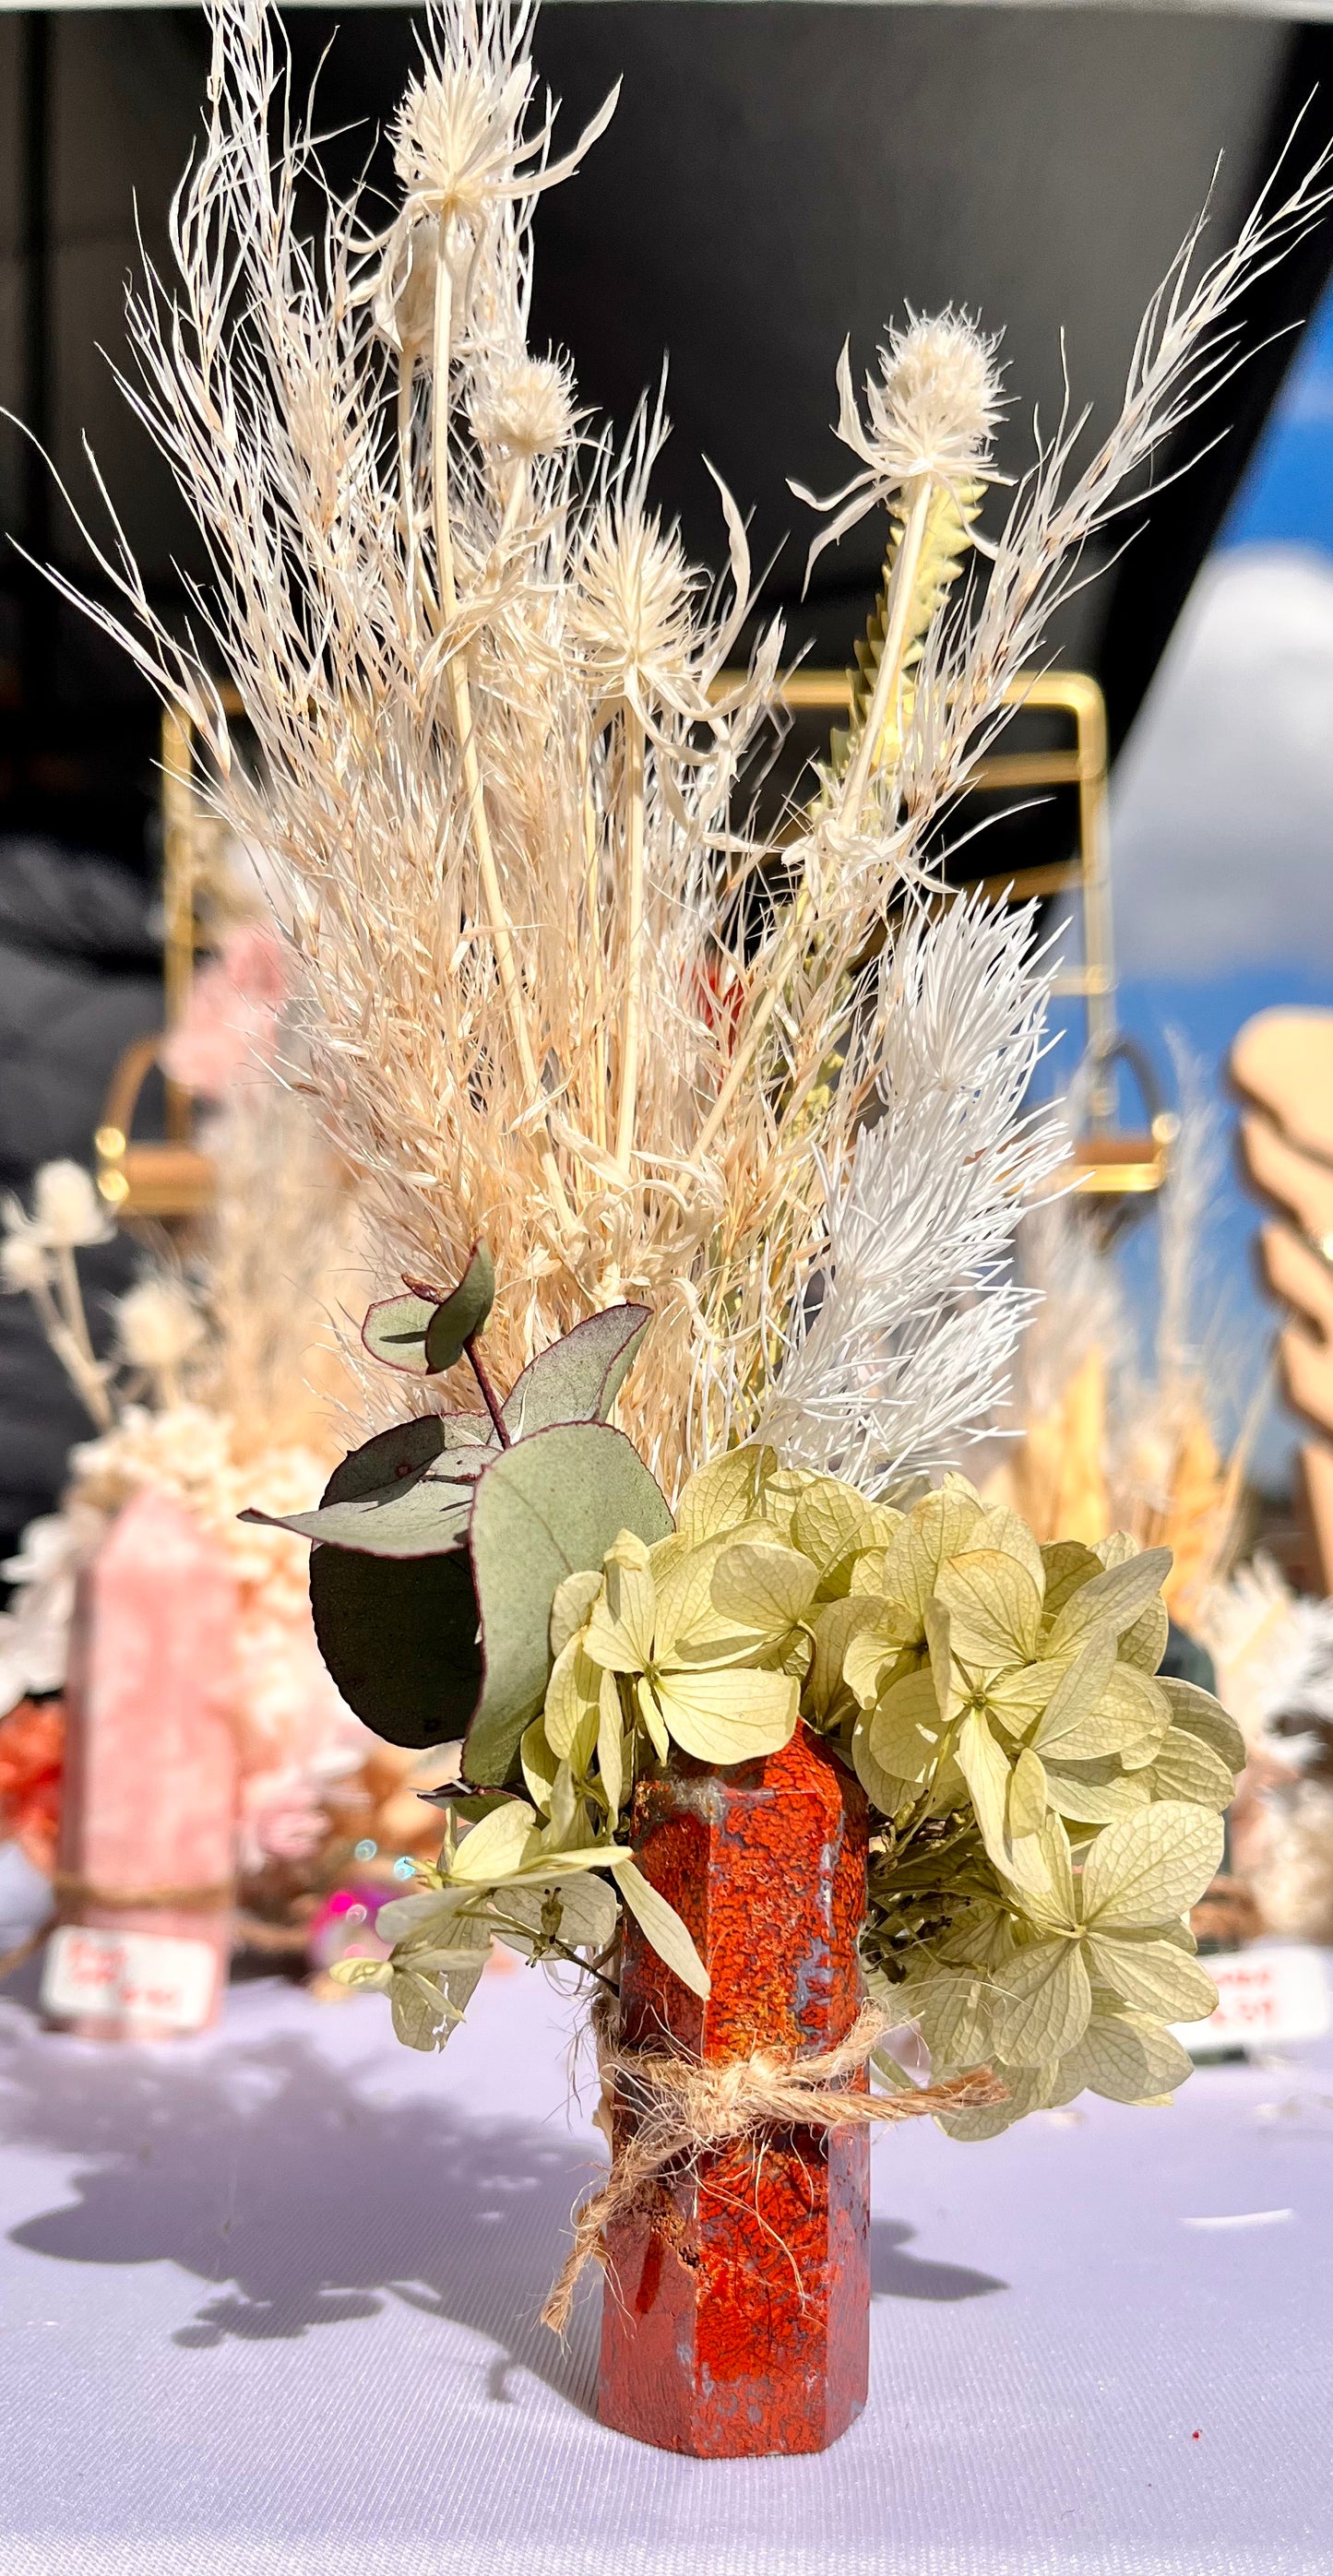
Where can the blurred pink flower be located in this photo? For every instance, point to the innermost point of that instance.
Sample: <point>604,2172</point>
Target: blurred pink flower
<point>231,1017</point>
<point>281,1816</point>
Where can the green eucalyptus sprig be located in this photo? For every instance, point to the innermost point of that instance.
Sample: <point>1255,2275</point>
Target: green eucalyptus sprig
<point>439,1545</point>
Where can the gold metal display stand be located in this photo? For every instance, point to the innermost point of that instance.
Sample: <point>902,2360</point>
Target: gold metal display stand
<point>173,1180</point>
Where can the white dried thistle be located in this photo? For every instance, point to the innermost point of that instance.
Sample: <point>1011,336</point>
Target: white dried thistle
<point>25,1263</point>
<point>555,987</point>
<point>931,413</point>
<point>526,408</point>
<point>67,1213</point>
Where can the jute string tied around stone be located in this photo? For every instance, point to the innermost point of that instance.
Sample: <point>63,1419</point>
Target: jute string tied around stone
<point>71,1890</point>
<point>683,2108</point>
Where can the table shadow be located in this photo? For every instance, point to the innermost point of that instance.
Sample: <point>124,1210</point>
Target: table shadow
<point>896,2275</point>
<point>307,2194</point>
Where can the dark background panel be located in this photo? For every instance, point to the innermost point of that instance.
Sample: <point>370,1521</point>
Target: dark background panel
<point>777,175</point>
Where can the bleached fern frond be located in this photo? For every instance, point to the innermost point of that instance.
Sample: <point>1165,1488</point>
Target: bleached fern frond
<point>903,1344</point>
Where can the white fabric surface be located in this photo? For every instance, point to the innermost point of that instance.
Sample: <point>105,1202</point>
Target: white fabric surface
<point>268,2307</point>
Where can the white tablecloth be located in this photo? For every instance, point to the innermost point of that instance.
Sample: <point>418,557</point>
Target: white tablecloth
<point>268,2307</point>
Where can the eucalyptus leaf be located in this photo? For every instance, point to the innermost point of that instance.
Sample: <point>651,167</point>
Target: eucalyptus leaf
<point>425,1517</point>
<point>395,1331</point>
<point>406,1492</point>
<point>399,1636</point>
<point>390,1460</point>
<point>360,1504</point>
<point>454,1322</point>
<point>543,1510</point>
<point>579,1377</point>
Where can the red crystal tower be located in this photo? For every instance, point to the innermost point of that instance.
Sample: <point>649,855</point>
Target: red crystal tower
<point>736,2311</point>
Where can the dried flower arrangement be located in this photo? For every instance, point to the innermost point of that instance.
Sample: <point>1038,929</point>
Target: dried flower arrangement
<point>207,1397</point>
<point>1273,1651</point>
<point>1122,1420</point>
<point>724,1130</point>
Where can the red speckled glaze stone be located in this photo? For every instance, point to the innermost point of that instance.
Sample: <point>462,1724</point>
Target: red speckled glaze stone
<point>736,2316</point>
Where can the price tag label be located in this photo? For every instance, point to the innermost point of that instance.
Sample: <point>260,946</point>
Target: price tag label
<point>151,1977</point>
<point>1268,1995</point>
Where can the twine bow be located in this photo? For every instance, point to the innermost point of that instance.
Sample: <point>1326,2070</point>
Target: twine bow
<point>682,2108</point>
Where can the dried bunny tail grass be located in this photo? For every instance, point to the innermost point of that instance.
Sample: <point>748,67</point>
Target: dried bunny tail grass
<point>543,993</point>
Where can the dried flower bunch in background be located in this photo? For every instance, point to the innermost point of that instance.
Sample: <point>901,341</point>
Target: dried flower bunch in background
<point>216,1392</point>
<point>1154,1440</point>
<point>725,1131</point>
